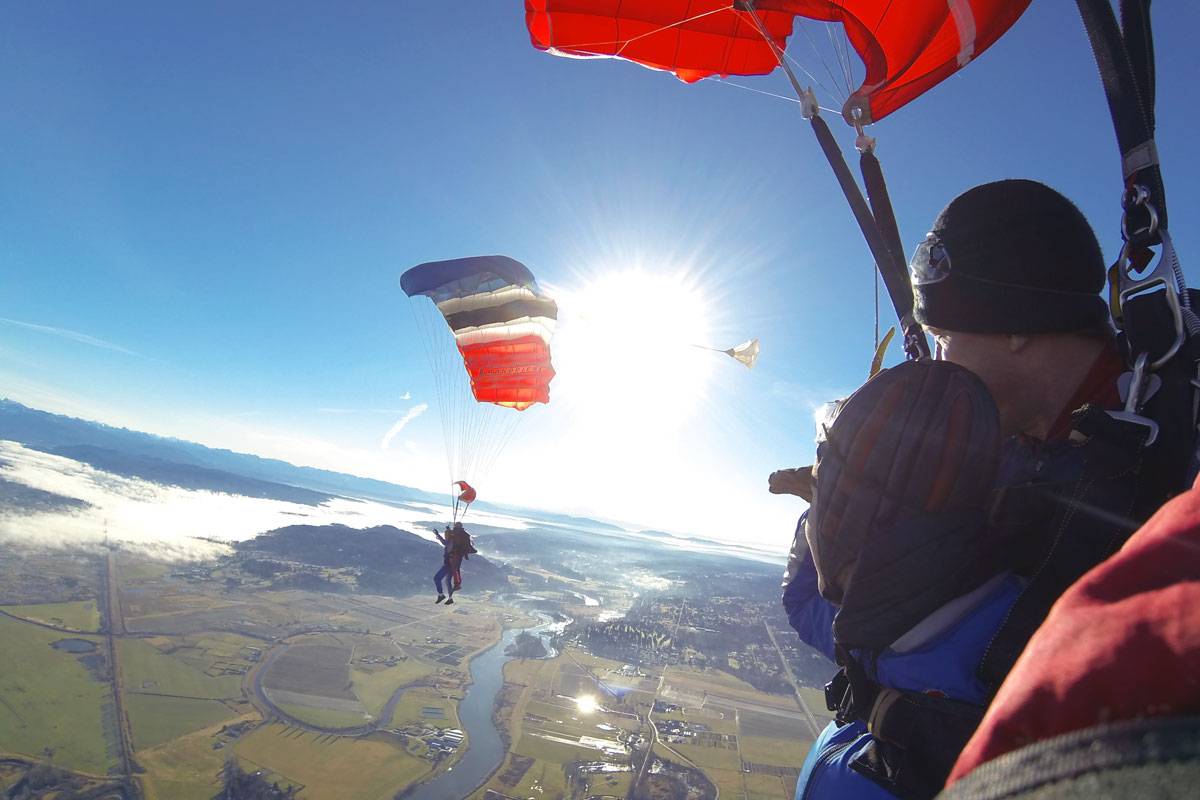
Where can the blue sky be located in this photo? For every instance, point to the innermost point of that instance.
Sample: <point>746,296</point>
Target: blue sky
<point>204,213</point>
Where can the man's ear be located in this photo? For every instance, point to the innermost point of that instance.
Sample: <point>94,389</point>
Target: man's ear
<point>1017,343</point>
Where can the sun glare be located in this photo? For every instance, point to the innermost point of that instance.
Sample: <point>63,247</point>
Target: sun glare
<point>629,350</point>
<point>586,704</point>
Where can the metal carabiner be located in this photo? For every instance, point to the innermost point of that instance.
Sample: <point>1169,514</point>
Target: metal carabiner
<point>1138,196</point>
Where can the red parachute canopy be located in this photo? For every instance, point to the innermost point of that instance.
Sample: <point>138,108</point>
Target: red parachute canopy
<point>907,47</point>
<point>467,495</point>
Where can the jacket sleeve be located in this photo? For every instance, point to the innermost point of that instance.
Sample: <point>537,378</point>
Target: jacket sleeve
<point>810,615</point>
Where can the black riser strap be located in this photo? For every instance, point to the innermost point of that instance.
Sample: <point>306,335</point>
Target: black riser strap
<point>885,220</point>
<point>1129,89</point>
<point>898,287</point>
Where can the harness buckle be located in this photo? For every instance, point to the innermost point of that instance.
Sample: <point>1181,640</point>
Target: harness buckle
<point>1139,384</point>
<point>837,692</point>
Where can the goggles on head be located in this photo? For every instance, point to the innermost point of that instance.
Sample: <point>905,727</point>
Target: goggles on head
<point>930,263</point>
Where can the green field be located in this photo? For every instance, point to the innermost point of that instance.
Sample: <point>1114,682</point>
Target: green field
<point>769,787</point>
<point>78,616</point>
<point>375,688</point>
<point>48,700</point>
<point>408,710</point>
<point>324,717</point>
<point>156,720</point>
<point>186,768</point>
<point>780,752</point>
<point>331,768</point>
<point>543,779</point>
<point>145,668</point>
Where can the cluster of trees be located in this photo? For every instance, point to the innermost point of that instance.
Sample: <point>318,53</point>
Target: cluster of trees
<point>237,784</point>
<point>526,645</point>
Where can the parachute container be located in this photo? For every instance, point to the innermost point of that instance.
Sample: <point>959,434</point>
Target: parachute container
<point>486,329</point>
<point>906,48</point>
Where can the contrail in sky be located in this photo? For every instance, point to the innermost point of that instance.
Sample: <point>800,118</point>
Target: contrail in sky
<point>412,414</point>
<point>74,336</point>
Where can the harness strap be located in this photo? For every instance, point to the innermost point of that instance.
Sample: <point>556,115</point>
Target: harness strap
<point>1092,517</point>
<point>918,737</point>
<point>1125,58</point>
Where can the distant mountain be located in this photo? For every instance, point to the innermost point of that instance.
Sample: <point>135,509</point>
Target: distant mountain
<point>17,498</point>
<point>388,560</point>
<point>138,452</point>
<point>187,476</point>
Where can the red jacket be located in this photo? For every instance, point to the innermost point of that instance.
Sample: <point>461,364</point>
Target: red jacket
<point>1122,643</point>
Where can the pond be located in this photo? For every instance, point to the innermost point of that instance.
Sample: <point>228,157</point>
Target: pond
<point>74,646</point>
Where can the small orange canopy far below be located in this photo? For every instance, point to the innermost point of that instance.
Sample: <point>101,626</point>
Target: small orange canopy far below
<point>467,493</point>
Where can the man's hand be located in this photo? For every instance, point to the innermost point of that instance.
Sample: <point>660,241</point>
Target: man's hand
<point>792,481</point>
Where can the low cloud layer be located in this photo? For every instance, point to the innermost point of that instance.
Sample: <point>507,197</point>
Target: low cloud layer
<point>170,522</point>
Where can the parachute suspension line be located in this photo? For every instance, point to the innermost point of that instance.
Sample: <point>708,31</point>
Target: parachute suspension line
<point>438,368</point>
<point>894,273</point>
<point>621,44</point>
<point>876,294</point>
<point>843,57</point>
<point>791,100</point>
<point>836,95</point>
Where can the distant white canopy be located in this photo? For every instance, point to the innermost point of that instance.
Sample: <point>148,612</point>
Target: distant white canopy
<point>746,353</point>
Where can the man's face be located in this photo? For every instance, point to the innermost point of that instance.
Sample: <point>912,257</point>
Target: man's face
<point>988,355</point>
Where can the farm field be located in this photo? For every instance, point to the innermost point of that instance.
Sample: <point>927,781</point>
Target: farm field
<point>331,767</point>
<point>81,615</point>
<point>147,668</point>
<point>184,768</point>
<point>156,719</point>
<point>754,742</point>
<point>324,717</point>
<point>54,699</point>
<point>374,689</point>
<point>416,704</point>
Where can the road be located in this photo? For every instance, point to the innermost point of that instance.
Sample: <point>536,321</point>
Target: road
<point>114,626</point>
<point>787,669</point>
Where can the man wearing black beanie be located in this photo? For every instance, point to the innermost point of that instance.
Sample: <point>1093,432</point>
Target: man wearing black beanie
<point>1008,283</point>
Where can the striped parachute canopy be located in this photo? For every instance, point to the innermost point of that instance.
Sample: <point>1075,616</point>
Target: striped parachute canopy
<point>501,322</point>
<point>906,47</point>
<point>494,359</point>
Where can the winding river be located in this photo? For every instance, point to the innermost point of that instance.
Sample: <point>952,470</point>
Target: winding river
<point>485,749</point>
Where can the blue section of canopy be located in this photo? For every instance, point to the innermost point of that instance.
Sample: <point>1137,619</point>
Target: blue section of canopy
<point>460,277</point>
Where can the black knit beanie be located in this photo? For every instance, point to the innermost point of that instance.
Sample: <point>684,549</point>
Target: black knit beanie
<point>1013,256</point>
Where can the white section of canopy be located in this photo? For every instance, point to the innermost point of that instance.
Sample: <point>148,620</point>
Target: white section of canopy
<point>964,21</point>
<point>542,327</point>
<point>474,302</point>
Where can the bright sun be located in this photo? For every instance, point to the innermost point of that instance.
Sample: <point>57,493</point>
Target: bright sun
<point>586,704</point>
<point>629,350</point>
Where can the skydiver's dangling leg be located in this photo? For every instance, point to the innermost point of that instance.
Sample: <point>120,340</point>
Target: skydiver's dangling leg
<point>443,574</point>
